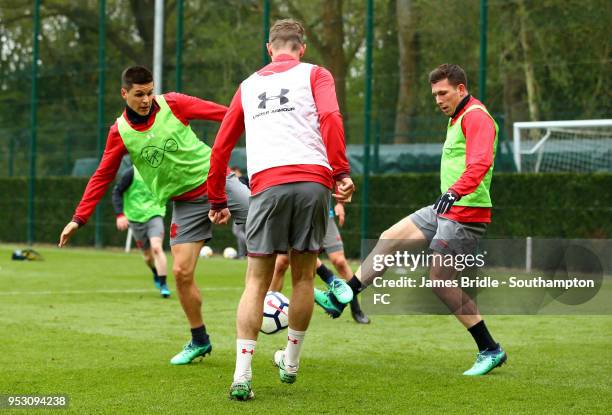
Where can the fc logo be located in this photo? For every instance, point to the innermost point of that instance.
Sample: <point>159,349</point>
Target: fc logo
<point>154,155</point>
<point>281,97</point>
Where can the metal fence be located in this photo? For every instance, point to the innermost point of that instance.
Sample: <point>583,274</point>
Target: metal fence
<point>61,61</point>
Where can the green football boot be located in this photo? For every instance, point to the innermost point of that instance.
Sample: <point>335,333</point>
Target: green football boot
<point>341,290</point>
<point>241,391</point>
<point>486,361</point>
<point>190,352</point>
<point>287,374</point>
<point>329,303</point>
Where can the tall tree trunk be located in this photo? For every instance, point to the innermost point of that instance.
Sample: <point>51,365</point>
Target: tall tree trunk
<point>144,15</point>
<point>333,51</point>
<point>336,51</point>
<point>530,79</point>
<point>407,69</point>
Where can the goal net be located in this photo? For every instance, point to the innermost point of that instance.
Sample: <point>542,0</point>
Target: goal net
<point>563,146</point>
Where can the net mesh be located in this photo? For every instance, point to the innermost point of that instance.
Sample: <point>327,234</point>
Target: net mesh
<point>566,149</point>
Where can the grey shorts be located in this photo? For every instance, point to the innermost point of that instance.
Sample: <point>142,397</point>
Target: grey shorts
<point>190,221</point>
<point>448,236</point>
<point>237,198</point>
<point>332,241</point>
<point>144,231</point>
<point>292,215</point>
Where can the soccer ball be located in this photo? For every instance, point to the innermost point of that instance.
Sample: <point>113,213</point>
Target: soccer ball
<point>276,313</point>
<point>229,253</point>
<point>206,252</point>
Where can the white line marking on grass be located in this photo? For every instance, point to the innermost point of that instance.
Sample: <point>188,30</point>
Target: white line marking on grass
<point>126,291</point>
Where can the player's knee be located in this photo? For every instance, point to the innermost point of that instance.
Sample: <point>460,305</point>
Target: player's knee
<point>388,234</point>
<point>282,264</point>
<point>182,274</point>
<point>338,261</point>
<point>157,250</point>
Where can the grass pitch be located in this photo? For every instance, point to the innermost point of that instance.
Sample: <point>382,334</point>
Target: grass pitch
<point>89,324</point>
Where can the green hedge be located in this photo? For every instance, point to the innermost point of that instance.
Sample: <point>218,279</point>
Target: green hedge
<point>539,205</point>
<point>551,205</point>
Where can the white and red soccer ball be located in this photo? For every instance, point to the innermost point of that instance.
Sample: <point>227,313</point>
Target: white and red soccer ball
<point>275,313</point>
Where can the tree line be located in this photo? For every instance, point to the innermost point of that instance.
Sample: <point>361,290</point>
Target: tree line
<point>546,59</point>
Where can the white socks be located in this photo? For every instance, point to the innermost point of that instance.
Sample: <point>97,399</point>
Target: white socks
<point>245,349</point>
<point>294,348</point>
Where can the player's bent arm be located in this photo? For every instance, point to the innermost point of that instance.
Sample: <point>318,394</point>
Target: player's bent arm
<point>101,179</point>
<point>229,132</point>
<point>120,188</point>
<point>187,108</point>
<point>330,121</point>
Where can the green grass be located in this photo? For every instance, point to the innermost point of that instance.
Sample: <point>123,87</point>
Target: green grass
<point>90,325</point>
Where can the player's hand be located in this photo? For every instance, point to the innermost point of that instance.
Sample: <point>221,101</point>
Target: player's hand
<point>122,223</point>
<point>344,190</point>
<point>445,202</point>
<point>339,211</point>
<point>67,233</point>
<point>219,217</point>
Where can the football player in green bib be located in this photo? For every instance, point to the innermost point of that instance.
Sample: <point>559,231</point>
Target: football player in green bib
<point>137,208</point>
<point>458,218</point>
<point>154,130</point>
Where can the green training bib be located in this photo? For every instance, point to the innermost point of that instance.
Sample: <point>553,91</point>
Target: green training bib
<point>139,204</point>
<point>453,163</point>
<point>169,156</point>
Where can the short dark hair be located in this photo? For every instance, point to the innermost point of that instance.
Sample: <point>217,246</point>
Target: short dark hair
<point>135,75</point>
<point>454,73</point>
<point>287,31</point>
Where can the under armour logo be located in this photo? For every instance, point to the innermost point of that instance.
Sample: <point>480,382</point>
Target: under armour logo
<point>154,155</point>
<point>245,351</point>
<point>281,97</point>
<point>294,341</point>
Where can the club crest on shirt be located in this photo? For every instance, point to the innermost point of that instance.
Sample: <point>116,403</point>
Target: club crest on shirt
<point>154,155</point>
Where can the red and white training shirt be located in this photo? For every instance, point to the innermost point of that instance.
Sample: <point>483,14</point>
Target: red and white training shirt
<point>184,107</point>
<point>280,114</point>
<point>479,132</point>
<point>294,129</point>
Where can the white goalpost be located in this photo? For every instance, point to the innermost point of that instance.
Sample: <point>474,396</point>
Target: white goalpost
<point>128,241</point>
<point>563,146</point>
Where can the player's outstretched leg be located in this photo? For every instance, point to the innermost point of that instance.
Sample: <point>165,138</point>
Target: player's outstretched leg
<point>329,303</point>
<point>403,235</point>
<point>338,259</point>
